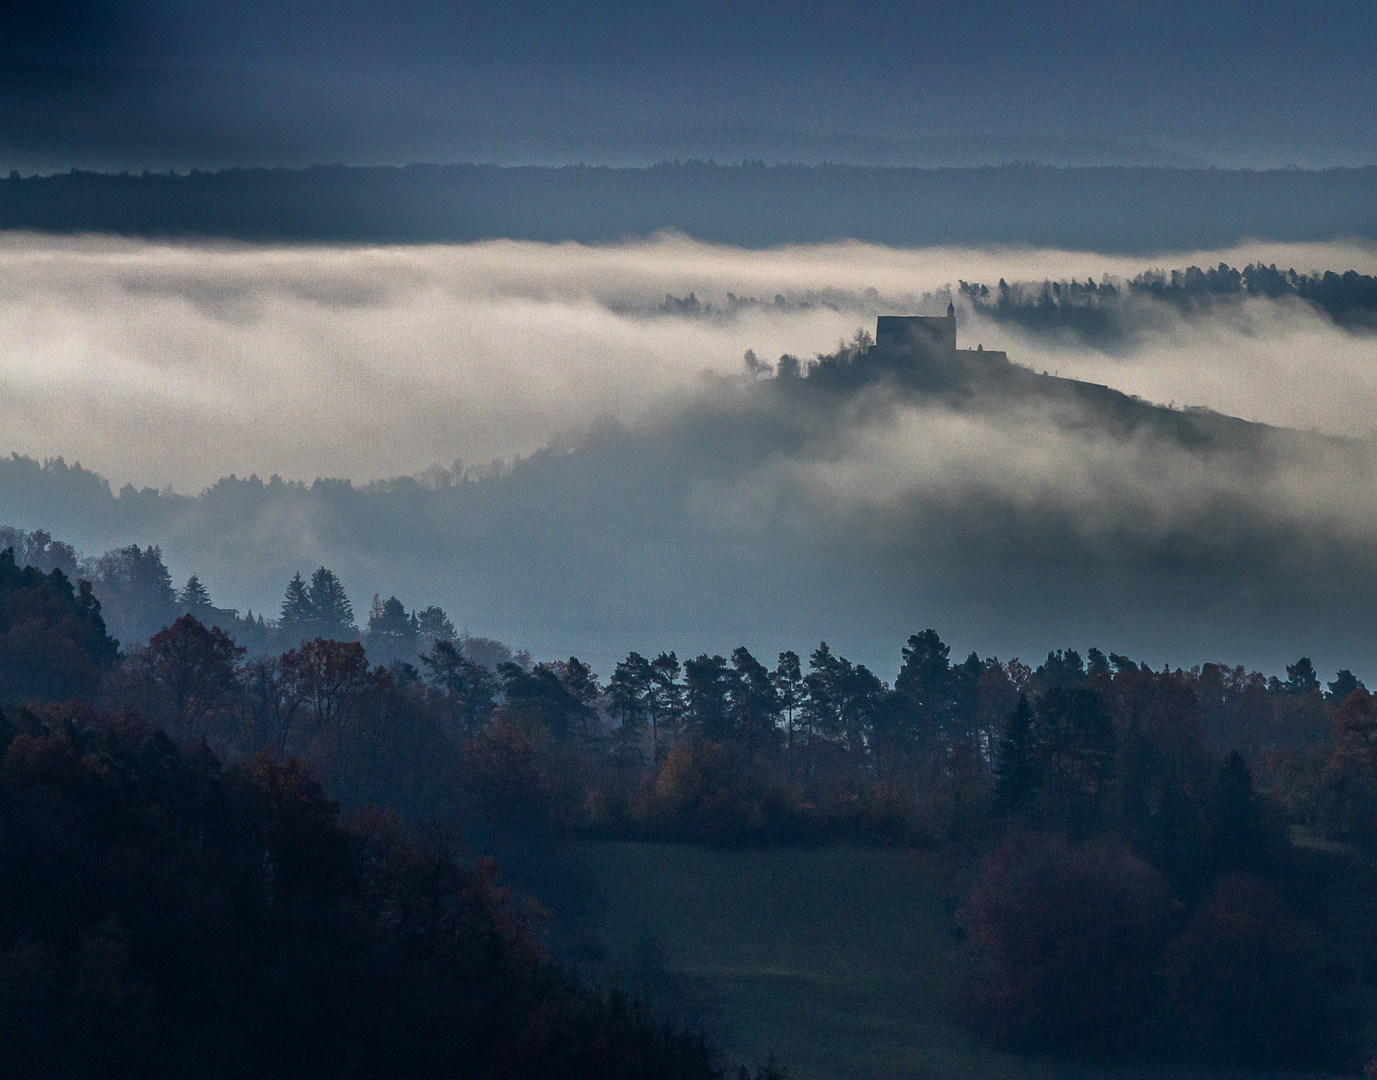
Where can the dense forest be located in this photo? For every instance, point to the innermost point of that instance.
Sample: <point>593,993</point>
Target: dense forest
<point>751,204</point>
<point>1108,313</point>
<point>1171,865</point>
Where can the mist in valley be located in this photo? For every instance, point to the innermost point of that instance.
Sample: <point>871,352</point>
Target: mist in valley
<point>562,446</point>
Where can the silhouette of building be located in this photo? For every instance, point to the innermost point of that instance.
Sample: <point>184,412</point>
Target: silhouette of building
<point>930,338</point>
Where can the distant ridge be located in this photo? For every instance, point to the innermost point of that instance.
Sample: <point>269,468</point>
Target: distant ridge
<point>1137,210</point>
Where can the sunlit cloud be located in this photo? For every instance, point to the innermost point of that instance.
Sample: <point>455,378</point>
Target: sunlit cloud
<point>689,506</point>
<point>176,364</point>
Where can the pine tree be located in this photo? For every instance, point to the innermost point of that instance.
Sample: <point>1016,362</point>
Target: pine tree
<point>666,705</point>
<point>434,622</point>
<point>388,617</point>
<point>194,596</point>
<point>707,713</point>
<point>788,680</point>
<point>1017,774</point>
<point>330,608</point>
<point>926,687</point>
<point>754,704</point>
<point>468,687</point>
<point>627,692</point>
<point>297,611</point>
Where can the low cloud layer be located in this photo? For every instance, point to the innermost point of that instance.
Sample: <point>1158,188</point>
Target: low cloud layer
<point>175,365</point>
<point>663,499</point>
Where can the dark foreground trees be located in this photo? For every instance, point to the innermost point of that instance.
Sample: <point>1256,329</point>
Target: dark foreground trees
<point>1128,889</point>
<point>1085,951</point>
<point>53,643</point>
<point>162,915</point>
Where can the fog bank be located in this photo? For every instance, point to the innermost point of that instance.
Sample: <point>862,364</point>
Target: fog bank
<point>652,495</point>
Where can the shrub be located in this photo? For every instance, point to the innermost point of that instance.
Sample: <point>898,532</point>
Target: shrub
<point>1249,985</point>
<point>1068,945</point>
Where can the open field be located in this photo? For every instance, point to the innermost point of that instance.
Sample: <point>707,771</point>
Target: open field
<point>836,960</point>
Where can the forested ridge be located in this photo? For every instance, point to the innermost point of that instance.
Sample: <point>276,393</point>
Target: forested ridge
<point>1108,313</point>
<point>749,204</point>
<point>1170,864</point>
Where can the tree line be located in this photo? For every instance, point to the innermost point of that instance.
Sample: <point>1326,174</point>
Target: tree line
<point>138,597</point>
<point>748,204</point>
<point>1173,864</point>
<point>1102,313</point>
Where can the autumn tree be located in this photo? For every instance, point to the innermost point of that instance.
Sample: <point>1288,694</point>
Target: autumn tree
<point>1355,737</point>
<point>326,677</point>
<point>199,667</point>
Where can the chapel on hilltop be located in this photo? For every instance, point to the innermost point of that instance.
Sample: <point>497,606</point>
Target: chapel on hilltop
<point>930,338</point>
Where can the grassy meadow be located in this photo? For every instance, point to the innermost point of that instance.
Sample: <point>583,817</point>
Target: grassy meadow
<point>838,960</point>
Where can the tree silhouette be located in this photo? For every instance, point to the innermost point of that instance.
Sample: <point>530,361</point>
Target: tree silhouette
<point>924,683</point>
<point>629,693</point>
<point>1301,677</point>
<point>136,592</point>
<point>332,614</point>
<point>707,711</point>
<point>298,614</point>
<point>665,707</point>
<point>194,597</point>
<point>1016,770</point>
<point>53,643</point>
<point>198,665</point>
<point>752,702</point>
<point>469,688</point>
<point>789,691</point>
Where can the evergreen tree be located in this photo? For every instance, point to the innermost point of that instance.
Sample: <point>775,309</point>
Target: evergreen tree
<point>1061,669</point>
<point>925,686</point>
<point>332,614</point>
<point>434,625</point>
<point>389,618</point>
<point>629,694</point>
<point>861,696</point>
<point>1073,748</point>
<point>136,592</point>
<point>1345,682</point>
<point>53,643</point>
<point>297,611</point>
<point>754,707</point>
<point>1015,769</point>
<point>540,698</point>
<point>788,684</point>
<point>194,596</point>
<point>666,704</point>
<point>826,693</point>
<point>468,687</point>
<point>707,712</point>
<point>1301,678</point>
<point>582,684</point>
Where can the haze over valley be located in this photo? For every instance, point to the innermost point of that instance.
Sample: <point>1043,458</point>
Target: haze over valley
<point>594,460</point>
<point>642,541</point>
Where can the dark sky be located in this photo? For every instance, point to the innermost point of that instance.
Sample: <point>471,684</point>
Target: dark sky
<point>160,84</point>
